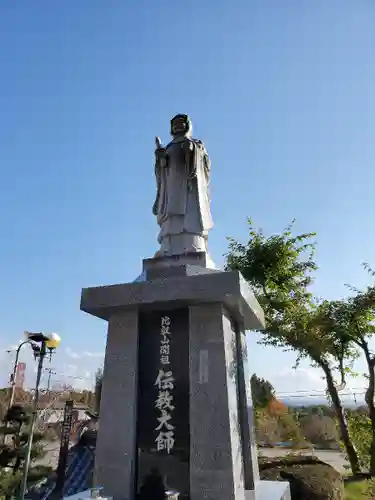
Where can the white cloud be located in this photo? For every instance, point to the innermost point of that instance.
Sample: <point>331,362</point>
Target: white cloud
<point>93,354</point>
<point>81,380</point>
<point>300,380</point>
<point>310,374</point>
<point>85,354</point>
<point>72,354</point>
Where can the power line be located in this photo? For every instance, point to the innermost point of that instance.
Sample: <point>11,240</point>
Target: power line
<point>352,394</point>
<point>313,391</point>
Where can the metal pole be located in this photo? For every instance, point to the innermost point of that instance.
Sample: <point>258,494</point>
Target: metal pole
<point>33,420</point>
<point>49,379</point>
<point>50,373</point>
<point>64,450</point>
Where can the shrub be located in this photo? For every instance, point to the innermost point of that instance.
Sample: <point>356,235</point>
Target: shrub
<point>359,489</point>
<point>320,430</point>
<point>278,427</point>
<point>13,452</point>
<point>309,478</point>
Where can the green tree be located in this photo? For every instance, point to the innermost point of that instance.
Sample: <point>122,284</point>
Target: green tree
<point>279,269</point>
<point>290,430</point>
<point>352,322</point>
<point>275,424</point>
<point>13,452</point>
<point>262,391</point>
<point>266,428</point>
<point>361,433</point>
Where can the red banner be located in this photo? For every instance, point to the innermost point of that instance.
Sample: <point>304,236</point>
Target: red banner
<point>20,375</point>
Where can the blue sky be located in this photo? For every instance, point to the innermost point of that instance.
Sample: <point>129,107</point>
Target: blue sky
<point>282,93</point>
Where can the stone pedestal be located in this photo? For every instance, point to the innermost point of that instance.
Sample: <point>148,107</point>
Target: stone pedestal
<point>214,454</point>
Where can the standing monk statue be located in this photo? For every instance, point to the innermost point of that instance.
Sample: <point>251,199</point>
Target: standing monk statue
<point>182,204</point>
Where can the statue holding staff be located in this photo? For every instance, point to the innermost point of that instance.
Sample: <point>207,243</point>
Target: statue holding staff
<point>182,204</point>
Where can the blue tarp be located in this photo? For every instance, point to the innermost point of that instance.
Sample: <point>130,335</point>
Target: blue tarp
<point>79,472</point>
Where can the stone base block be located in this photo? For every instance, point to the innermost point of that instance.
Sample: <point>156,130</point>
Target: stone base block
<point>269,490</point>
<point>208,312</point>
<point>190,258</point>
<point>227,288</point>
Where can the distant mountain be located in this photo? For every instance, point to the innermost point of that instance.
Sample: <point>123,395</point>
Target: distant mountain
<point>294,402</point>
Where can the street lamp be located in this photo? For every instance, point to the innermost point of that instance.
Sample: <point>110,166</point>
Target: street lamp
<point>50,342</point>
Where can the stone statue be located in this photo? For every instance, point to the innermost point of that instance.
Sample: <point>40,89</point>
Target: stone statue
<point>182,204</point>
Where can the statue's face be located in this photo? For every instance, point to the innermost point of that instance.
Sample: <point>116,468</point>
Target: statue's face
<point>179,126</point>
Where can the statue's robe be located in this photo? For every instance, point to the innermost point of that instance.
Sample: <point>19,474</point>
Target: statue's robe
<point>182,203</point>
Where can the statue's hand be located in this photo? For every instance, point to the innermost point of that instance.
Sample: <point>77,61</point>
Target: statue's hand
<point>160,153</point>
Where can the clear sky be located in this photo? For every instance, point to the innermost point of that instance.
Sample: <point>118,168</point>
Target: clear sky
<point>281,92</point>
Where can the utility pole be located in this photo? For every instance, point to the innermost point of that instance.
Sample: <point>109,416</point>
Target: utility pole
<point>51,372</point>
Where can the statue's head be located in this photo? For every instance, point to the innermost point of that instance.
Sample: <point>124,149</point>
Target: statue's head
<point>180,125</point>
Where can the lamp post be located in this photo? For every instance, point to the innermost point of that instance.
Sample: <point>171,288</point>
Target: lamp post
<point>49,342</point>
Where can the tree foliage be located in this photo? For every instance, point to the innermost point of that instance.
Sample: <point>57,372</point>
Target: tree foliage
<point>280,270</point>
<point>320,430</point>
<point>361,433</point>
<point>274,422</point>
<point>262,391</point>
<point>351,322</point>
<point>13,451</point>
<point>273,427</point>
